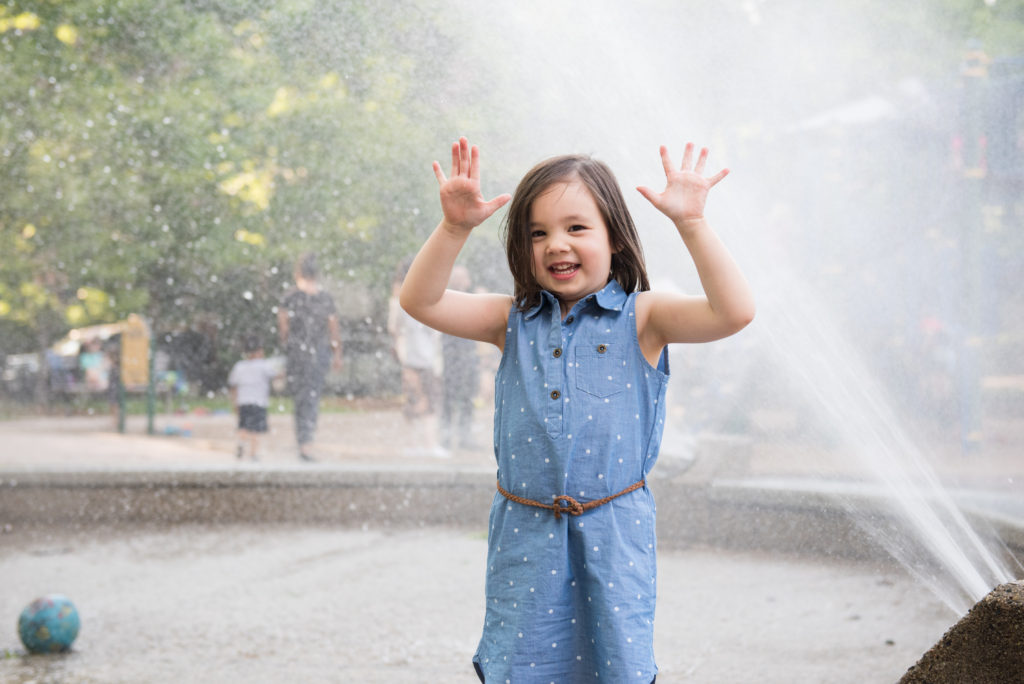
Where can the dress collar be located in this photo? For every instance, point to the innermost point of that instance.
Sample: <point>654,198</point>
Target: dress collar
<point>610,297</point>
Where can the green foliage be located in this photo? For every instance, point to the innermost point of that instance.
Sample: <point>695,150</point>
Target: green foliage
<point>175,157</point>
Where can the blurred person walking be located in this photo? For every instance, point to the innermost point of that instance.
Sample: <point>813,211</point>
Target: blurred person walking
<point>115,391</point>
<point>417,348</point>
<point>460,378</point>
<point>307,323</point>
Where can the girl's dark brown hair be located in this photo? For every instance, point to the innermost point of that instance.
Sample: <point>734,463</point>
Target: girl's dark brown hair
<point>628,267</point>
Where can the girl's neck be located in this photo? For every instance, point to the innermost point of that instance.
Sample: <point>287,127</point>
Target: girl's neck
<point>566,305</point>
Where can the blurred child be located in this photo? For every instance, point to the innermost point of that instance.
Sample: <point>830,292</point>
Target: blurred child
<point>95,366</point>
<point>250,381</point>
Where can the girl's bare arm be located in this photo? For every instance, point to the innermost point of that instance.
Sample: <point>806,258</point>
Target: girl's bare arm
<point>728,303</point>
<point>424,294</point>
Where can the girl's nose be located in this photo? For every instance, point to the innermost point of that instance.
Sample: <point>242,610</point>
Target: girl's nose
<point>557,244</point>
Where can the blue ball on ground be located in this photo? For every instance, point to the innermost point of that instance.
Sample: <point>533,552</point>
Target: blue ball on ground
<point>49,624</point>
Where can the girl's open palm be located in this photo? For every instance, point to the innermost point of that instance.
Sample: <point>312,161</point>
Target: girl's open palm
<point>462,202</point>
<point>686,189</point>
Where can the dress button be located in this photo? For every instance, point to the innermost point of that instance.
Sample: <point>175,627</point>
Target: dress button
<point>569,320</point>
<point>555,394</point>
<point>557,352</point>
<point>602,348</point>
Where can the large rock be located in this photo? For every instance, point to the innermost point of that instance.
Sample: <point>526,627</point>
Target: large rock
<point>985,647</point>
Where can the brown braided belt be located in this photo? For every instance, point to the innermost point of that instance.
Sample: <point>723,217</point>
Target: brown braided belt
<point>567,504</point>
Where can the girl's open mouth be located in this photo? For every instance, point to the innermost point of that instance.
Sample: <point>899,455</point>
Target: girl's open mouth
<point>563,271</point>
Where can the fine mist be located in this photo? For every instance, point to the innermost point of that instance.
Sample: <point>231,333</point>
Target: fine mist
<point>837,127</point>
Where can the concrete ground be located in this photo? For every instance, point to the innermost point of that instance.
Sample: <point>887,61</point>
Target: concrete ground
<point>309,603</point>
<point>302,604</point>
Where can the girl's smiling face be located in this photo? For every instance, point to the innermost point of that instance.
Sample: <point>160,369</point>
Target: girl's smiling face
<point>572,251</point>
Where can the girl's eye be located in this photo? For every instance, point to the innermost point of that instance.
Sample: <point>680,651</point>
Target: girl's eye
<point>577,227</point>
<point>537,234</point>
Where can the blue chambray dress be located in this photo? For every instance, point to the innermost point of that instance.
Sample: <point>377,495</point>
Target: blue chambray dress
<point>578,411</point>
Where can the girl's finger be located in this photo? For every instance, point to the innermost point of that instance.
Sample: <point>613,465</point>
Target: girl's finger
<point>497,203</point>
<point>702,159</point>
<point>650,195</point>
<point>439,174</point>
<point>455,159</point>
<point>666,161</point>
<point>474,163</point>
<point>463,156</point>
<point>717,177</point>
<point>687,156</point>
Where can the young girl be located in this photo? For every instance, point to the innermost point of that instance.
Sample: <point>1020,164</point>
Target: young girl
<point>579,402</point>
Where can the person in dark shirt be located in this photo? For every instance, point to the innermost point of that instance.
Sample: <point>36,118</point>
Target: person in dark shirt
<point>309,332</point>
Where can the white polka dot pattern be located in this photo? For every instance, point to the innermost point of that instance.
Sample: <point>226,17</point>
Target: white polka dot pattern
<point>573,599</point>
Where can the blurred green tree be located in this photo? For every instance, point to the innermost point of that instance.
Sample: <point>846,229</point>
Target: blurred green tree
<point>173,158</point>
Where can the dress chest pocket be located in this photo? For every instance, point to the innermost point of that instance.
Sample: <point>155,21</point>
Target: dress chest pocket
<point>601,367</point>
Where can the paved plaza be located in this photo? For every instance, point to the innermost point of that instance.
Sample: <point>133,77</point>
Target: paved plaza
<point>318,603</point>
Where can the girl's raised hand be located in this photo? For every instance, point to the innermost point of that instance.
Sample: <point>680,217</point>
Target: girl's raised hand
<point>686,189</point>
<point>462,202</point>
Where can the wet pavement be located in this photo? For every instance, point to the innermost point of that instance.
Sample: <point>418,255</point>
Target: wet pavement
<point>301,604</point>
<point>313,603</point>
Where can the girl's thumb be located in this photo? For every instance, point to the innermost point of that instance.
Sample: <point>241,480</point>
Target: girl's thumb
<point>498,202</point>
<point>648,194</point>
